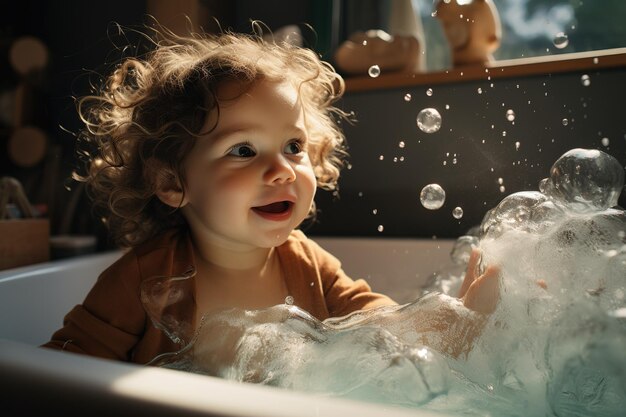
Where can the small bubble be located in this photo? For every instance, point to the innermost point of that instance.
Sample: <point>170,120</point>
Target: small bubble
<point>429,92</point>
<point>510,115</point>
<point>585,80</point>
<point>407,97</point>
<point>561,40</point>
<point>517,145</point>
<point>480,90</point>
<point>380,228</point>
<point>289,300</point>
<point>374,71</point>
<point>401,144</point>
<point>605,141</point>
<point>504,133</point>
<point>502,189</point>
<point>432,196</point>
<point>453,161</point>
<point>457,213</point>
<point>365,43</point>
<point>565,122</point>
<point>500,181</point>
<point>429,120</point>
<point>375,211</point>
<point>312,284</point>
<point>447,107</point>
<point>596,60</point>
<point>381,157</point>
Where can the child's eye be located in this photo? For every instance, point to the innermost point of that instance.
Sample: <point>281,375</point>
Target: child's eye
<point>243,150</point>
<point>294,147</point>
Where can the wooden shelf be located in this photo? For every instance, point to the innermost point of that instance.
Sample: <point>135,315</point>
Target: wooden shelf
<point>523,67</point>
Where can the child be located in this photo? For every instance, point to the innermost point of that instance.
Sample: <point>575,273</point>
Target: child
<point>210,152</point>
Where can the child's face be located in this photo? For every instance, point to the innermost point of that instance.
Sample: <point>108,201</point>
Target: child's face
<point>250,181</point>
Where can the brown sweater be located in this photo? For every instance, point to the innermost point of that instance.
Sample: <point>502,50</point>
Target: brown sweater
<point>112,322</point>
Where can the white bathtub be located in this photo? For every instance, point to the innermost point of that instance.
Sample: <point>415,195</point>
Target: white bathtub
<point>33,301</point>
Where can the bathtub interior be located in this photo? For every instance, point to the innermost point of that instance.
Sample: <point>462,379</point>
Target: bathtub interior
<point>33,301</point>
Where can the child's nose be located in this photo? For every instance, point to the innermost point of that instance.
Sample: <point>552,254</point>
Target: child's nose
<point>279,171</point>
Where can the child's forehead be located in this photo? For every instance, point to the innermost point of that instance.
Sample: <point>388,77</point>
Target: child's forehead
<point>259,90</point>
<point>259,101</point>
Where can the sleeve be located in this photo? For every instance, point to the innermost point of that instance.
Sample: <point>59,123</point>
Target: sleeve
<point>111,320</point>
<point>344,295</point>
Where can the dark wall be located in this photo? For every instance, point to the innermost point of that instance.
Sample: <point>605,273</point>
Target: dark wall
<point>472,130</point>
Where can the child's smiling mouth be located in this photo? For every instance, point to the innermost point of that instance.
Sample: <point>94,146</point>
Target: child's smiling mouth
<point>277,211</point>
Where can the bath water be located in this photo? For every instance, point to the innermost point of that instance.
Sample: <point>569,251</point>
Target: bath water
<point>556,344</point>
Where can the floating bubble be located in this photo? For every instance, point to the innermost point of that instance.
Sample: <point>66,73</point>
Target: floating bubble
<point>517,145</point>
<point>457,213</point>
<point>510,115</point>
<point>479,90</point>
<point>561,40</point>
<point>407,97</point>
<point>401,144</point>
<point>585,80</point>
<point>374,71</point>
<point>380,228</point>
<point>605,141</point>
<point>587,179</point>
<point>565,122</point>
<point>289,300</point>
<point>429,92</point>
<point>432,196</point>
<point>429,120</point>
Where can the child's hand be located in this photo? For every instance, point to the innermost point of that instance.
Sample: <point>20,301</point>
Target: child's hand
<point>481,293</point>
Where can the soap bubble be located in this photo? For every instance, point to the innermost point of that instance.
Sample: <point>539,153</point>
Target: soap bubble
<point>457,213</point>
<point>432,196</point>
<point>510,115</point>
<point>587,179</point>
<point>605,141</point>
<point>561,40</point>
<point>407,97</point>
<point>429,120</point>
<point>374,71</point>
<point>565,122</point>
<point>429,92</point>
<point>585,80</point>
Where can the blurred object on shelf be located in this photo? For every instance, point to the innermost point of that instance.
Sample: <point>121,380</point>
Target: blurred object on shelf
<point>364,50</point>
<point>24,240</point>
<point>400,48</point>
<point>27,146</point>
<point>27,55</point>
<point>472,28</point>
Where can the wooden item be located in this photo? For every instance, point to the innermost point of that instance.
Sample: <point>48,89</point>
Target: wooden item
<point>25,240</point>
<point>376,47</point>
<point>472,28</point>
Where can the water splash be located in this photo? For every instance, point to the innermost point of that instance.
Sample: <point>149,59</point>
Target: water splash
<point>554,345</point>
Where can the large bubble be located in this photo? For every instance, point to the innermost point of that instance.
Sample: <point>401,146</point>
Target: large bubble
<point>586,179</point>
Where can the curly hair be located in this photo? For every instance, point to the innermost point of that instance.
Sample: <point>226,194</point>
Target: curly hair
<point>144,120</point>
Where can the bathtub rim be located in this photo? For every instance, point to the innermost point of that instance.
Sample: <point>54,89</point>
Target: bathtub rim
<point>104,387</point>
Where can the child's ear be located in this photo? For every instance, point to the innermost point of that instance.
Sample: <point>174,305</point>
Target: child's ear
<point>169,189</point>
